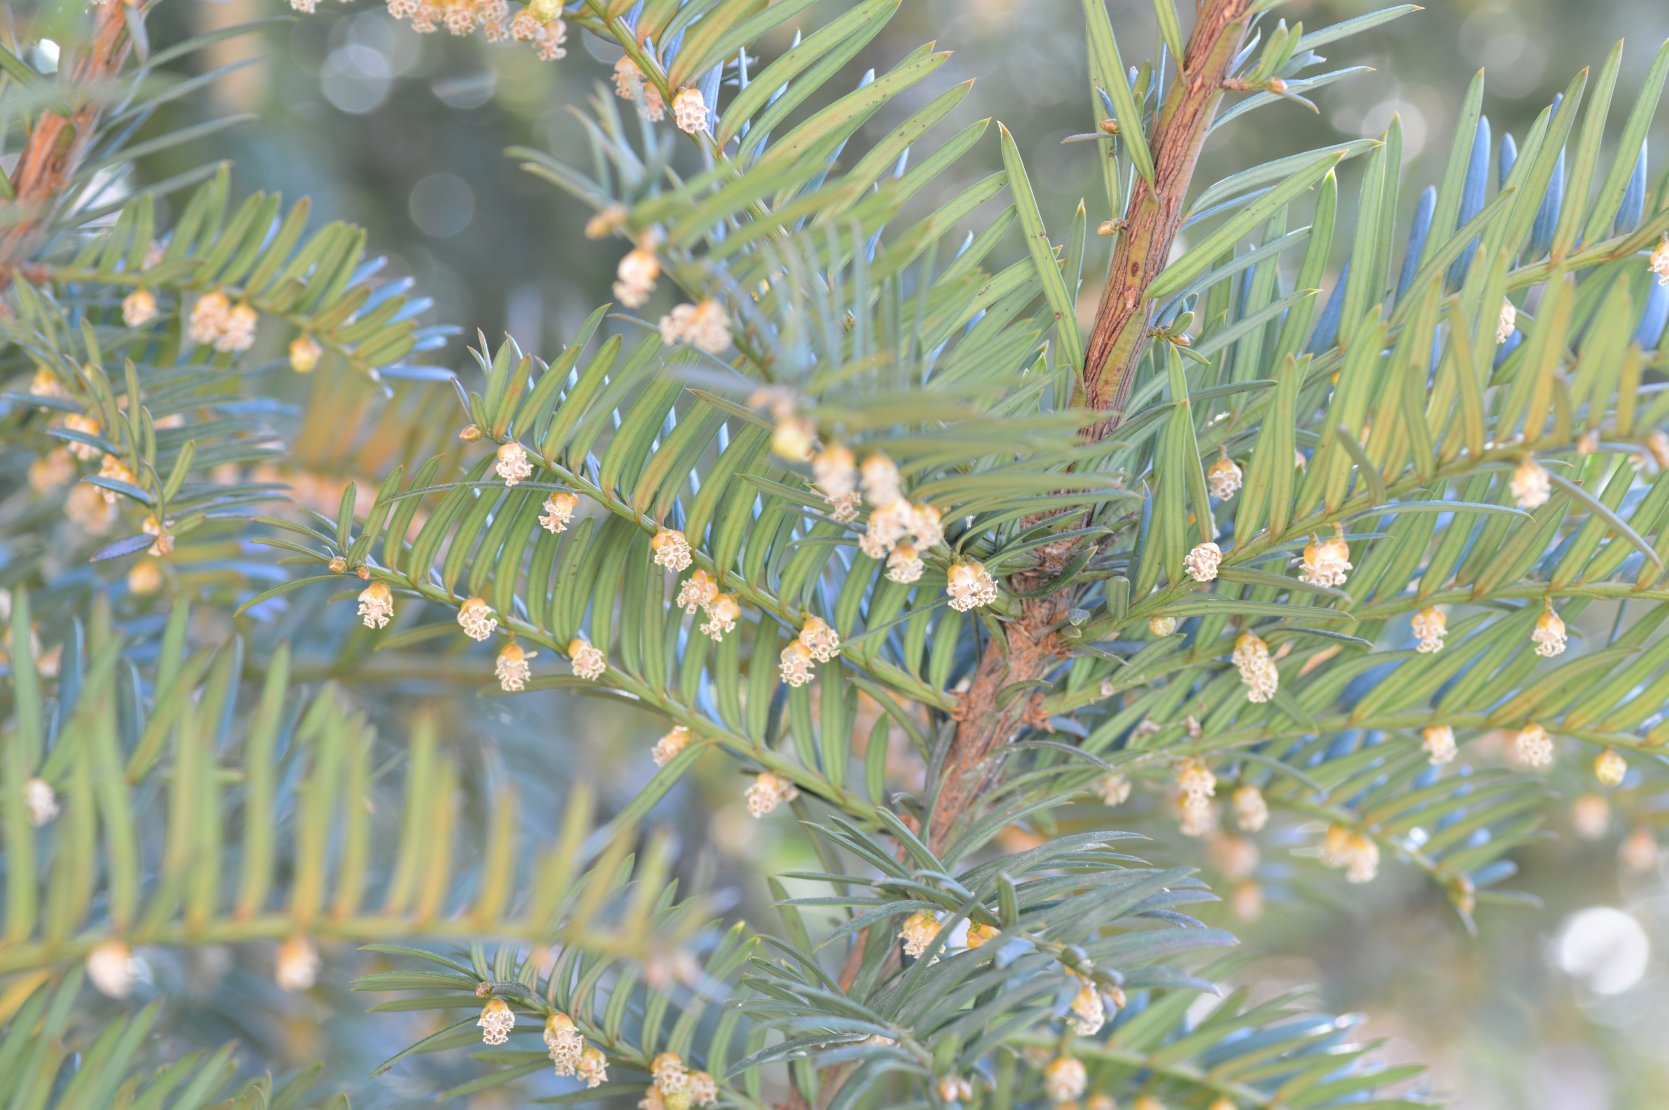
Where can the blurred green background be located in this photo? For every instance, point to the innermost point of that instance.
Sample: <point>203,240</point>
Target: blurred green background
<point>1561,1007</point>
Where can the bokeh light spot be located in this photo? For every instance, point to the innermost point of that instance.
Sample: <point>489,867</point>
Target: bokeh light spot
<point>467,90</point>
<point>356,79</point>
<point>1604,948</point>
<point>442,205</point>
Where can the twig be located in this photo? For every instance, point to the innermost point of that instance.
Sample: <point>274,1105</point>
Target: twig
<point>1028,649</point>
<point>1120,336</point>
<point>57,144</point>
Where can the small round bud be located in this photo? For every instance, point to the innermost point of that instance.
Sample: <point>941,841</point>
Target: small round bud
<point>1638,852</point>
<point>145,577</point>
<point>511,668</point>
<point>1224,478</point>
<point>297,968</point>
<point>512,463</point>
<point>1590,816</point>
<point>1113,787</point>
<point>112,969</point>
<point>606,222</point>
<point>796,664</point>
<point>722,611</point>
<point>305,353</point>
<point>669,746</point>
<point>769,791</point>
<point>1507,322</point>
<point>1533,747</point>
<point>919,930</point>
<point>559,510</point>
<point>138,308</point>
<point>1202,562</point>
<point>1326,562</point>
<point>376,605</point>
<point>636,276</point>
<point>592,1067</point>
<point>820,639</point>
<point>1610,768</point>
<point>671,550</point>
<point>40,801</point>
<point>689,110</point>
<point>1659,261</point>
<point>1429,626</point>
<point>1064,1079</point>
<point>1531,487</point>
<point>970,586</point>
<point>476,618</point>
<point>1439,744</point>
<point>587,659</point>
<point>496,1021</point>
<point>793,439</point>
<point>1549,634</point>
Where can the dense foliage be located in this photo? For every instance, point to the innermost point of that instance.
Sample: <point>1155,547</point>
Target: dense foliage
<point>1275,554</point>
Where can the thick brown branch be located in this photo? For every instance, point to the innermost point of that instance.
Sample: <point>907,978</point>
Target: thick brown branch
<point>986,718</point>
<point>58,142</point>
<point>1120,335</point>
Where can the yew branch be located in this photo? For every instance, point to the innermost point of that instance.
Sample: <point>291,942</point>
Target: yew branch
<point>59,140</point>
<point>995,706</point>
<point>1120,336</point>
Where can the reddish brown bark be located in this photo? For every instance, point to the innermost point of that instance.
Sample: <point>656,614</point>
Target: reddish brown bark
<point>1154,214</point>
<point>59,141</point>
<point>1028,649</point>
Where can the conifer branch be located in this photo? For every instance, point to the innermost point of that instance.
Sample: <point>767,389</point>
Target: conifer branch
<point>861,431</point>
<point>1028,648</point>
<point>1119,337</point>
<point>59,140</point>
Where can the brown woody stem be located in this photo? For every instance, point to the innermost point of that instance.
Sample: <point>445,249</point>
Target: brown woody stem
<point>59,141</point>
<point>1120,336</point>
<point>987,718</point>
